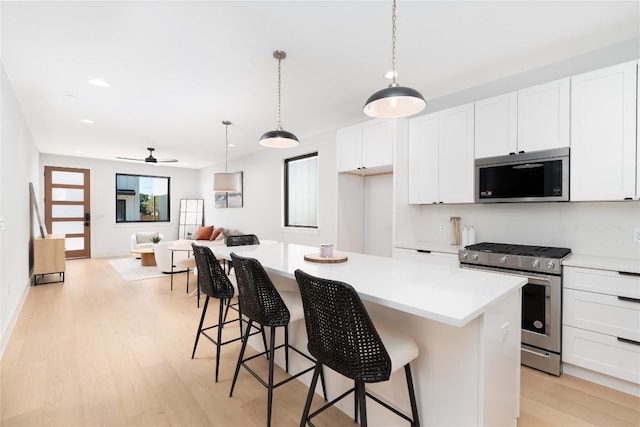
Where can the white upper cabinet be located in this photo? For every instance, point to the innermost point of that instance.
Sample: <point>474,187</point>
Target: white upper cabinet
<point>441,161</point>
<point>366,147</point>
<point>531,119</point>
<point>543,116</point>
<point>603,134</point>
<point>496,126</point>
<point>423,159</point>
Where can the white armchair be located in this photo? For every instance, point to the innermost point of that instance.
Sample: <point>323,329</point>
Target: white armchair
<point>143,239</point>
<point>163,257</point>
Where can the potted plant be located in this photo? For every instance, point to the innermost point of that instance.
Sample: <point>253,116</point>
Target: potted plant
<point>155,240</point>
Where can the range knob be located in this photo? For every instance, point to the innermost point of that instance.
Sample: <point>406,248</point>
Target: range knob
<point>503,260</point>
<point>551,265</point>
<point>474,256</point>
<point>536,263</point>
<point>464,255</point>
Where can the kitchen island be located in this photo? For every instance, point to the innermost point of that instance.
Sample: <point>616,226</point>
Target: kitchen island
<point>466,324</point>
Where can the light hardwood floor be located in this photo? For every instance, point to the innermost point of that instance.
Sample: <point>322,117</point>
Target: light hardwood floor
<point>100,351</point>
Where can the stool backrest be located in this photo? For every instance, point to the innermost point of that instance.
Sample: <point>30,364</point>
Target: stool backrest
<point>259,299</point>
<point>242,240</point>
<point>340,332</point>
<point>212,279</point>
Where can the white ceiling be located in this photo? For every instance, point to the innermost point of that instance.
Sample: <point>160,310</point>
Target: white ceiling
<point>177,69</point>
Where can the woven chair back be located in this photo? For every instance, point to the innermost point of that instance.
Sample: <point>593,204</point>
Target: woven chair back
<point>340,332</point>
<point>259,299</point>
<point>212,279</point>
<point>243,240</point>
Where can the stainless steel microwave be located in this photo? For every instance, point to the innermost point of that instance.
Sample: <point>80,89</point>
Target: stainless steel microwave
<point>536,176</point>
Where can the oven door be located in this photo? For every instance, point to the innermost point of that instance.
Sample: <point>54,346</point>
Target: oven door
<point>541,312</point>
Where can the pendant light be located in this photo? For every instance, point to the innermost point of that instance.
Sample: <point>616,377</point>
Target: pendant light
<point>226,182</point>
<point>394,101</point>
<point>279,138</point>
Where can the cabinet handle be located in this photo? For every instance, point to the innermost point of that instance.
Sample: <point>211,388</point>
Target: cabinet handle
<point>628,341</point>
<point>424,251</point>
<point>628,273</point>
<point>621,298</point>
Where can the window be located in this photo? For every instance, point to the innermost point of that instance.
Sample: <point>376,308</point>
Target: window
<point>301,191</point>
<point>142,198</point>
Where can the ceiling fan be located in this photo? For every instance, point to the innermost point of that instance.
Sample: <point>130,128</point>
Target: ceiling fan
<point>150,158</point>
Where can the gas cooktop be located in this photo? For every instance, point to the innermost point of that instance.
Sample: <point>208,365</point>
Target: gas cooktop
<point>542,259</point>
<point>524,250</point>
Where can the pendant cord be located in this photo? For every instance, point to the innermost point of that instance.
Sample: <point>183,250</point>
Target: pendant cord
<point>226,152</point>
<point>393,41</point>
<point>279,124</point>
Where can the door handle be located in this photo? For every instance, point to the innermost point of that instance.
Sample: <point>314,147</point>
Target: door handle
<point>87,219</point>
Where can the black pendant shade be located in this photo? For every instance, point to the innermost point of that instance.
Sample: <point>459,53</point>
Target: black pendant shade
<point>394,102</point>
<point>278,139</point>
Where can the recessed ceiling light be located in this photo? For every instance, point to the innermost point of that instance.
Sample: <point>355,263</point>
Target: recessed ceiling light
<point>87,121</point>
<point>231,145</point>
<point>389,74</point>
<point>99,83</point>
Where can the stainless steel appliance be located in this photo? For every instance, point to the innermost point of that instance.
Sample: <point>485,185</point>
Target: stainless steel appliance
<point>536,176</point>
<point>541,296</point>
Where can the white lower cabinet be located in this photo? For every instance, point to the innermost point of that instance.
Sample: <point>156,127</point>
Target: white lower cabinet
<point>601,322</point>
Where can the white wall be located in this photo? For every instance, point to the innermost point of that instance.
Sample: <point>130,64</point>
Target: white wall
<point>18,167</point>
<point>107,237</point>
<point>263,200</point>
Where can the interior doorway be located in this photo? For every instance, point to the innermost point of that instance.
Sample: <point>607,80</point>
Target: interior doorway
<point>67,208</point>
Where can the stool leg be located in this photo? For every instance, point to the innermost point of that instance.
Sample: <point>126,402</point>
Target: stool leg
<point>219,340</point>
<point>264,340</point>
<point>242,349</point>
<point>363,404</point>
<point>270,385</point>
<point>356,395</point>
<point>204,311</point>
<point>412,396</point>
<point>324,384</point>
<point>286,348</point>
<point>312,387</point>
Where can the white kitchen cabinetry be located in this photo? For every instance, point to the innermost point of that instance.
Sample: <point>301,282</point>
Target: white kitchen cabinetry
<point>603,134</point>
<point>601,322</point>
<point>543,116</point>
<point>496,126</point>
<point>366,148</point>
<point>441,161</point>
<point>531,119</point>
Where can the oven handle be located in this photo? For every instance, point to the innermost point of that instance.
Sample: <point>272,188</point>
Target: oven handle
<point>535,278</point>
<point>537,353</point>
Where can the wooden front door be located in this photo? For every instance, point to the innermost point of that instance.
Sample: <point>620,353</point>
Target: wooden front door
<point>67,208</point>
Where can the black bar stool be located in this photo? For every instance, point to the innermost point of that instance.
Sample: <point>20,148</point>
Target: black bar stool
<point>240,240</point>
<point>214,283</point>
<point>342,337</point>
<point>261,303</point>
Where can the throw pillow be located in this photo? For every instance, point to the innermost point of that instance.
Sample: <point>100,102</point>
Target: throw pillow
<point>204,233</point>
<point>216,233</point>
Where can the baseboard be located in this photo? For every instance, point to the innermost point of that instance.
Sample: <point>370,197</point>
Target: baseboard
<point>602,379</point>
<point>14,318</point>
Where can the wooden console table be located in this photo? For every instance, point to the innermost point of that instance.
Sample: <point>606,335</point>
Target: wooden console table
<point>48,257</point>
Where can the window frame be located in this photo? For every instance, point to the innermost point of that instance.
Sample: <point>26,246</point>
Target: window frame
<point>138,221</point>
<point>285,217</point>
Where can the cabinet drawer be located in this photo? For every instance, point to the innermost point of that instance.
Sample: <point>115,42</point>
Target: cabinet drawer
<point>602,281</point>
<point>601,353</point>
<point>606,314</point>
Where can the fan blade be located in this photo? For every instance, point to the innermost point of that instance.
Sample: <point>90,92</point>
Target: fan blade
<point>129,158</point>
<point>167,160</point>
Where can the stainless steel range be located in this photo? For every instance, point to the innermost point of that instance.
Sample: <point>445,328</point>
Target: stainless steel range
<point>541,296</point>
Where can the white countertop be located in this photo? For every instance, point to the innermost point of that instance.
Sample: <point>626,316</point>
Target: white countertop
<point>442,293</point>
<point>603,263</point>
